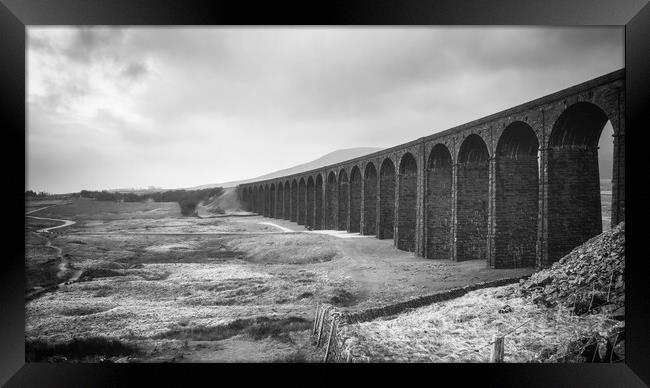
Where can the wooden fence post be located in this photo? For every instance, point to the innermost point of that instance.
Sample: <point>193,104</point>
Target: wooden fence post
<point>497,350</point>
<point>320,326</point>
<point>313,330</point>
<point>329,341</point>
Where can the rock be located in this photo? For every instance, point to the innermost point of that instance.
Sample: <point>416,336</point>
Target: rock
<point>505,309</point>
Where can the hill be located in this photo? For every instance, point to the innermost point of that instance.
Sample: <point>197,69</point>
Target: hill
<point>327,159</point>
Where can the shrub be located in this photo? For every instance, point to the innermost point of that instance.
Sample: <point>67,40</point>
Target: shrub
<point>188,206</point>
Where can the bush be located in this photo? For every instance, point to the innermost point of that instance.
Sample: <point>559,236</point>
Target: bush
<point>188,206</point>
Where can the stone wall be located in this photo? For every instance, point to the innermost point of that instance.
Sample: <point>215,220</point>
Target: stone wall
<point>328,331</point>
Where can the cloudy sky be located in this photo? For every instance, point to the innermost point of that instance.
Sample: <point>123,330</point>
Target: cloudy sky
<point>178,107</point>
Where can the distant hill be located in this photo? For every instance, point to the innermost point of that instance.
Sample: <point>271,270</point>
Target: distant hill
<point>331,158</point>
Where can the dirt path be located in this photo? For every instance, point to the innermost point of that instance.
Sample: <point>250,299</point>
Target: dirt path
<point>66,273</point>
<point>44,230</point>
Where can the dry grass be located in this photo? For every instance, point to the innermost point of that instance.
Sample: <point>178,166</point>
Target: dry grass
<point>461,330</point>
<point>285,249</point>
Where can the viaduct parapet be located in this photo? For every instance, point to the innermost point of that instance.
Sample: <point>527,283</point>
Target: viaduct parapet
<point>518,188</point>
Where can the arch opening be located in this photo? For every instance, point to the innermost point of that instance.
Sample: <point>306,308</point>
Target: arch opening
<point>272,200</point>
<point>279,212</point>
<point>331,201</point>
<point>294,201</point>
<point>309,211</point>
<point>355,200</point>
<point>286,201</point>
<point>267,201</point>
<point>438,203</point>
<point>472,202</point>
<point>343,201</point>
<point>386,199</point>
<point>370,200</point>
<point>407,203</point>
<point>302,192</point>
<point>574,198</point>
<point>318,202</point>
<point>516,197</point>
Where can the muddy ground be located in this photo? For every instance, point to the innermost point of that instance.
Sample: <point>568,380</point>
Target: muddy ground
<point>215,289</point>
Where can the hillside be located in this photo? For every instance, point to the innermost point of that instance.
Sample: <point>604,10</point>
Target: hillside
<point>327,159</point>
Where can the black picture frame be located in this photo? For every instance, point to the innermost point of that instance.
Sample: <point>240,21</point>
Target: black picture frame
<point>16,15</point>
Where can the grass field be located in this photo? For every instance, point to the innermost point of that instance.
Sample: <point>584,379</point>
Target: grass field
<point>200,295</point>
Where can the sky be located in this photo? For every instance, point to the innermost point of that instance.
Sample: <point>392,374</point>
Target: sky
<point>176,107</point>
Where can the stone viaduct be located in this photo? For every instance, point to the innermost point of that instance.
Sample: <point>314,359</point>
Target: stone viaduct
<point>518,188</point>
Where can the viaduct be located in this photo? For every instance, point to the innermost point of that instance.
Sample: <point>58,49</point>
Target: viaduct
<point>518,188</point>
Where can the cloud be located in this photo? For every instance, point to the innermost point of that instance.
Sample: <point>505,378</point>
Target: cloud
<point>240,102</point>
<point>87,42</point>
<point>134,71</point>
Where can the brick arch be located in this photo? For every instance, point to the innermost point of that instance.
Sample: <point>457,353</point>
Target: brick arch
<point>472,202</point>
<point>386,199</point>
<point>302,191</point>
<point>343,202</point>
<point>370,199</point>
<point>438,202</point>
<point>407,202</point>
<point>331,201</point>
<point>318,202</point>
<point>294,201</point>
<point>310,206</point>
<point>516,197</point>
<point>574,212</point>
<point>355,200</point>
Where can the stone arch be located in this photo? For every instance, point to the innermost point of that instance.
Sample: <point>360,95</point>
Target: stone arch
<point>472,202</point>
<point>370,199</point>
<point>279,213</point>
<point>331,201</point>
<point>355,200</point>
<point>343,200</point>
<point>407,202</point>
<point>267,197</point>
<point>516,197</point>
<point>286,201</point>
<point>438,202</point>
<point>309,211</point>
<point>386,199</point>
<point>574,212</point>
<point>294,200</point>
<point>272,198</point>
<point>302,189</point>
<point>318,202</point>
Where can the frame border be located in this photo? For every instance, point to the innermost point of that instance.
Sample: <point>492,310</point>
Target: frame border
<point>17,15</point>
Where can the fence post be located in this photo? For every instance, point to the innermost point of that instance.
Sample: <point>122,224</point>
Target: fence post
<point>313,330</point>
<point>329,341</point>
<point>320,326</point>
<point>497,350</point>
